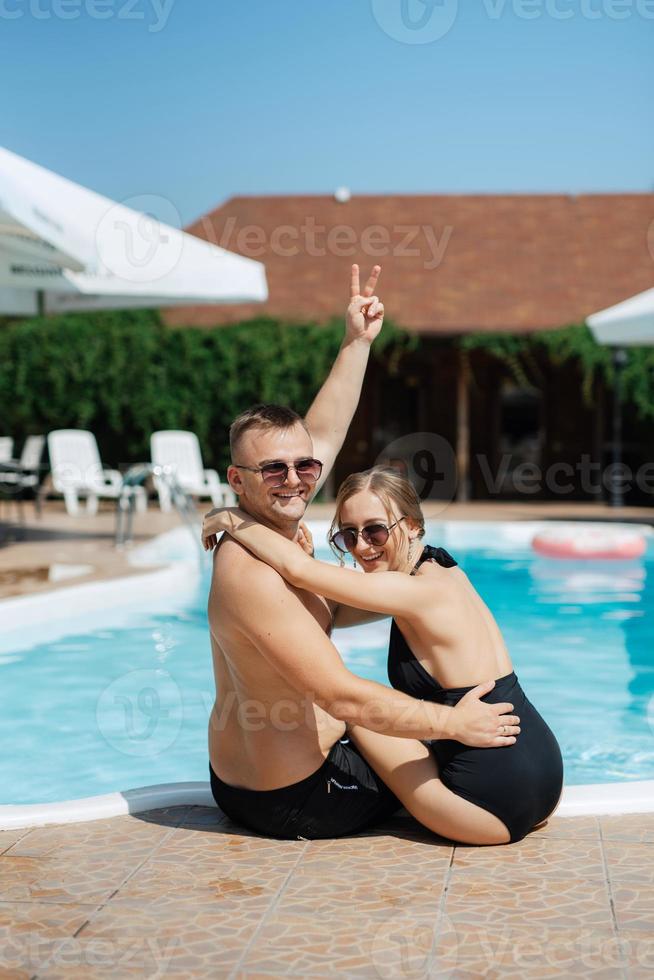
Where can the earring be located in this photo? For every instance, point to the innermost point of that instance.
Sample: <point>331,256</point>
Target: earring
<point>354,561</point>
<point>341,561</point>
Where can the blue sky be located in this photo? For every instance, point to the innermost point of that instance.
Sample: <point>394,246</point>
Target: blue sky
<point>197,100</point>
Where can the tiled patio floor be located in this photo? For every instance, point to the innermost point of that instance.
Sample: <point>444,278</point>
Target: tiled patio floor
<point>182,893</point>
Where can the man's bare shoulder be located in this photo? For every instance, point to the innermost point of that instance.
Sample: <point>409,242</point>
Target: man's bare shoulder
<point>237,569</point>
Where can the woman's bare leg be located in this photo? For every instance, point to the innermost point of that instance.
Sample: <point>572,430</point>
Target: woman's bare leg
<point>409,769</point>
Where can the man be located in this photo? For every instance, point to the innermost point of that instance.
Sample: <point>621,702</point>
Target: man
<point>279,760</point>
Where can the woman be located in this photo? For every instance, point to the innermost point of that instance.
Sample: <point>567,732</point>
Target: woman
<point>443,641</point>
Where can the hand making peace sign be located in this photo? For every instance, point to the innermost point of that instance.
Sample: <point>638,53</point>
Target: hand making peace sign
<point>365,314</point>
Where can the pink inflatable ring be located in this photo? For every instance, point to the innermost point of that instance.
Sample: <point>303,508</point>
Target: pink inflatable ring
<point>598,543</point>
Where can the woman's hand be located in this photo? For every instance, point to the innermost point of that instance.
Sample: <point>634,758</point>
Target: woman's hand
<point>305,539</point>
<point>216,521</point>
<point>232,519</point>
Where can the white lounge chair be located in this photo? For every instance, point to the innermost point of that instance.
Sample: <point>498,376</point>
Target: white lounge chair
<point>6,449</point>
<point>28,464</point>
<point>77,471</point>
<point>30,458</point>
<point>179,452</point>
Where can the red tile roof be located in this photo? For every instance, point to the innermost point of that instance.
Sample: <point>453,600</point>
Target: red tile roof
<point>451,263</point>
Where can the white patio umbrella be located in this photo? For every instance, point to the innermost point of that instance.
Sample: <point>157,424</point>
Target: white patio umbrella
<point>628,324</point>
<point>63,247</point>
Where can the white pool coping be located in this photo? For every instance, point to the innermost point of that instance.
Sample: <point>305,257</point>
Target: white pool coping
<point>50,615</point>
<point>178,577</point>
<point>576,801</point>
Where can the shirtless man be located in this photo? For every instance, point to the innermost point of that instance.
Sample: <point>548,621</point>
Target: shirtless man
<point>280,762</point>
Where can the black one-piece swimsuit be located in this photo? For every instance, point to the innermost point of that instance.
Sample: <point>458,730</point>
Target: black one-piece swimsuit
<point>521,783</point>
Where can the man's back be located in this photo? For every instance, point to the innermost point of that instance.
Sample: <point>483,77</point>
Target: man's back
<point>263,732</point>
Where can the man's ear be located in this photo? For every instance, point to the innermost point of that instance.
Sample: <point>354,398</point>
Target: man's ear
<point>234,479</point>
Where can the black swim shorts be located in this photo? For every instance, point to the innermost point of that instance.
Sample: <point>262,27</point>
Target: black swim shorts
<point>341,798</point>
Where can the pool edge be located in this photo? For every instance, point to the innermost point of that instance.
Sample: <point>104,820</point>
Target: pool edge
<point>592,799</point>
<point>598,799</point>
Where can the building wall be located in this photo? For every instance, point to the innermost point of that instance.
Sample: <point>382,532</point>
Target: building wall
<point>565,459</point>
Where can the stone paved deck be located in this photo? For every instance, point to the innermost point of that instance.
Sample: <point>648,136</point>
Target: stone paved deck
<point>182,893</point>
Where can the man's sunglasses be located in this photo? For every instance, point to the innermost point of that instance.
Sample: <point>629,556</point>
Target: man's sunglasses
<point>374,534</point>
<point>275,474</point>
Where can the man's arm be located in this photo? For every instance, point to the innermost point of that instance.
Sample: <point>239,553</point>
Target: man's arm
<point>291,640</point>
<point>334,406</point>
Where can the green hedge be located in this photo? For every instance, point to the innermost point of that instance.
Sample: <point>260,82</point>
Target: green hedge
<point>523,354</point>
<point>124,375</point>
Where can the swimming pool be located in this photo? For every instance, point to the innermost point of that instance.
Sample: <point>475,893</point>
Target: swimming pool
<point>121,698</point>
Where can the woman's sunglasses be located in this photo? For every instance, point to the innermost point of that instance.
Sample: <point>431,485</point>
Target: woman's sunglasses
<point>275,474</point>
<point>374,534</point>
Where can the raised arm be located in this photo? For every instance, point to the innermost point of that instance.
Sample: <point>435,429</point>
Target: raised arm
<point>334,406</point>
<point>314,668</point>
<point>390,593</point>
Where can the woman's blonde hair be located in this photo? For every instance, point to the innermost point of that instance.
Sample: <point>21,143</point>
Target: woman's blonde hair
<point>391,488</point>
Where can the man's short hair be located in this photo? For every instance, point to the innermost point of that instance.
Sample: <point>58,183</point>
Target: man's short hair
<point>262,417</point>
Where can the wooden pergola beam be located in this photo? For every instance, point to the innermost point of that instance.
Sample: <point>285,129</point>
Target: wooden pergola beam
<point>463,428</point>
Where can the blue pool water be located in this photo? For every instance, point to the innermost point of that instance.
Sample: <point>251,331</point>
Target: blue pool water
<point>119,708</point>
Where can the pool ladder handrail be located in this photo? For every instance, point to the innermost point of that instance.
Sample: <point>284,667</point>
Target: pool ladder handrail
<point>182,501</point>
